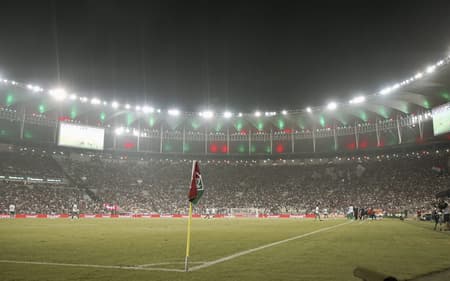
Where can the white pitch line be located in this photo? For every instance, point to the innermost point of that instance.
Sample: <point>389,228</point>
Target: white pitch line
<point>233,256</point>
<point>92,265</point>
<point>169,263</point>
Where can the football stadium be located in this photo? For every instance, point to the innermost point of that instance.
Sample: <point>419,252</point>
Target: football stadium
<point>116,186</point>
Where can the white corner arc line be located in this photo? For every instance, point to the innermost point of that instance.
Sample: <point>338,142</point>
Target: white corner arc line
<point>233,256</point>
<point>93,265</point>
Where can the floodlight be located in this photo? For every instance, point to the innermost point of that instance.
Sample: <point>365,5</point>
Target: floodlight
<point>208,114</point>
<point>119,131</point>
<point>332,105</point>
<point>148,109</point>
<point>115,105</point>
<point>385,91</point>
<point>227,114</point>
<point>95,101</point>
<point>358,99</point>
<point>173,112</point>
<point>58,94</point>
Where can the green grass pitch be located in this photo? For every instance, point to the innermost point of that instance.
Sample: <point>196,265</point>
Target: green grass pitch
<point>403,249</point>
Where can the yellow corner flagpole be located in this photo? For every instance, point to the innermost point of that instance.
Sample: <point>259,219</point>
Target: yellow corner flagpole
<point>188,240</point>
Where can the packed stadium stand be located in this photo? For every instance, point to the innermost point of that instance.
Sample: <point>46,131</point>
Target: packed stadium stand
<point>391,182</point>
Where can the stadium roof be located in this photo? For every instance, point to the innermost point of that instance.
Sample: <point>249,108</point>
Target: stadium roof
<point>417,94</point>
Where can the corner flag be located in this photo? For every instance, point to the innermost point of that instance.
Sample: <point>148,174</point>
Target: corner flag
<point>195,193</point>
<point>196,190</point>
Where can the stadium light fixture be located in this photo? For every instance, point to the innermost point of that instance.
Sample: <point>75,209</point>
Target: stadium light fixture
<point>385,91</point>
<point>358,99</point>
<point>105,103</point>
<point>119,131</point>
<point>173,112</point>
<point>127,106</point>
<point>227,114</point>
<point>208,114</point>
<point>158,110</point>
<point>58,94</point>
<point>431,68</point>
<point>34,88</point>
<point>284,112</point>
<point>138,108</point>
<point>148,109</point>
<point>73,97</point>
<point>257,114</point>
<point>332,105</point>
<point>115,105</point>
<point>308,109</point>
<point>418,75</point>
<point>240,114</point>
<point>95,101</point>
<point>83,99</point>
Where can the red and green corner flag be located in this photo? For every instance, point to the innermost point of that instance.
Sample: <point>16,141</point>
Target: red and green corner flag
<point>195,193</point>
<point>196,190</point>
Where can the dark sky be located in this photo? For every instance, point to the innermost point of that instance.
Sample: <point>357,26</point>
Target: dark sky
<point>240,55</point>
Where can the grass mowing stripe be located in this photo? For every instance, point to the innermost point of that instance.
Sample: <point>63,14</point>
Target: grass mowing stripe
<point>249,251</point>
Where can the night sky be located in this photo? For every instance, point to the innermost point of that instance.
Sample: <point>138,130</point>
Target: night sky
<point>237,55</point>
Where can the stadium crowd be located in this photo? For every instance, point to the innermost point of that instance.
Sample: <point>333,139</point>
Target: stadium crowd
<point>160,186</point>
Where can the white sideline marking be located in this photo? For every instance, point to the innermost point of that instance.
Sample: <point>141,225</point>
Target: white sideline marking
<point>170,263</point>
<point>233,256</point>
<point>93,265</point>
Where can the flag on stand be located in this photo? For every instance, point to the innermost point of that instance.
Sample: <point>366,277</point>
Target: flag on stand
<point>196,189</point>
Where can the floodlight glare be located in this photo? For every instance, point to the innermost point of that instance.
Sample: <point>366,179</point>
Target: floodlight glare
<point>83,99</point>
<point>58,94</point>
<point>418,75</point>
<point>240,114</point>
<point>358,99</point>
<point>95,101</point>
<point>308,109</point>
<point>138,108</point>
<point>431,68</point>
<point>207,114</point>
<point>173,112</point>
<point>148,109</point>
<point>115,104</point>
<point>332,105</point>
<point>284,112</point>
<point>73,97</point>
<point>127,106</point>
<point>257,114</point>
<point>227,114</point>
<point>119,131</point>
<point>385,91</point>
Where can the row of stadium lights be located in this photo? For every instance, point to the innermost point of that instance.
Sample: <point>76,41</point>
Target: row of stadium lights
<point>60,94</point>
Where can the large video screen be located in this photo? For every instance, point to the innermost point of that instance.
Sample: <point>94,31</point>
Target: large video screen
<point>441,119</point>
<point>79,136</point>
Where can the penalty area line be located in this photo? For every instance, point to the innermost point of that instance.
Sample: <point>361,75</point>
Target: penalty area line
<point>92,265</point>
<point>249,251</point>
